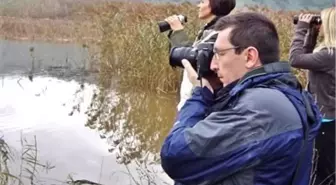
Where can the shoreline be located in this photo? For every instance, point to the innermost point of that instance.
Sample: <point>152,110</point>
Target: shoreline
<point>51,40</point>
<point>60,30</point>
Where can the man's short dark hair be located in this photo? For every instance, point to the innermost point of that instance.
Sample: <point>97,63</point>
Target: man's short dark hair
<point>252,29</point>
<point>222,7</point>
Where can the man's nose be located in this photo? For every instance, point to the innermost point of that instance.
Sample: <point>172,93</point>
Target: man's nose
<point>213,65</point>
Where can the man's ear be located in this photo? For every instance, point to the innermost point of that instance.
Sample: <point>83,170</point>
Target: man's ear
<point>252,58</point>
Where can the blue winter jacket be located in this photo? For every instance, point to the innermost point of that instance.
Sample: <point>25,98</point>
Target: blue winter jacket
<point>255,136</point>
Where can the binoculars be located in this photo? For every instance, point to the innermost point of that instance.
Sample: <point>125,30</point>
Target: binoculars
<point>315,20</point>
<point>164,25</point>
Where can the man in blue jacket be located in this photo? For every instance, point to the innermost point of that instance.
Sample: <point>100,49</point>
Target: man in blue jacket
<point>258,129</point>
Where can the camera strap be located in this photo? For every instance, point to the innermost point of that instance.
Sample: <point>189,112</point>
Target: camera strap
<point>209,38</point>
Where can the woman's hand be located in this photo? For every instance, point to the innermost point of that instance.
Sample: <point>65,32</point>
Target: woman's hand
<point>174,23</point>
<point>306,18</point>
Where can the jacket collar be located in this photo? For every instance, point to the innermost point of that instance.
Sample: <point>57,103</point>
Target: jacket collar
<point>209,25</point>
<point>276,70</point>
<point>212,23</point>
<point>275,67</point>
<point>277,73</point>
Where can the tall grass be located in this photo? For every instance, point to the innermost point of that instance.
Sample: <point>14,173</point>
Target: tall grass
<point>133,51</point>
<point>132,47</point>
<point>5,158</point>
<point>30,164</point>
<point>136,53</point>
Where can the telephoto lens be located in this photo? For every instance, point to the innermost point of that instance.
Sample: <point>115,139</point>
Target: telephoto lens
<point>179,53</point>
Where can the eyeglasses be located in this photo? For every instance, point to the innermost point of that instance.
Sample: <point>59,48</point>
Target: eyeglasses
<point>218,53</point>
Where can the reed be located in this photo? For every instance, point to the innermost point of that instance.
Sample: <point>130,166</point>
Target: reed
<point>135,53</point>
<point>132,50</point>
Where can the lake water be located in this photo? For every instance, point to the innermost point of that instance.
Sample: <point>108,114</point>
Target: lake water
<point>53,112</point>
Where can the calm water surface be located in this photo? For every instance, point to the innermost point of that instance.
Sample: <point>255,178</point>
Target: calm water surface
<point>73,129</point>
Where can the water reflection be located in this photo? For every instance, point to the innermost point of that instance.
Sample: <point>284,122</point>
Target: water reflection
<point>53,111</point>
<point>30,59</point>
<point>134,123</point>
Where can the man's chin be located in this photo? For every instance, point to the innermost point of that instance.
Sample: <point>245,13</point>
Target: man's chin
<point>222,80</point>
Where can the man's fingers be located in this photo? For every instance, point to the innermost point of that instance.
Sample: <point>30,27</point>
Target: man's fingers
<point>190,70</point>
<point>192,75</point>
<point>185,63</point>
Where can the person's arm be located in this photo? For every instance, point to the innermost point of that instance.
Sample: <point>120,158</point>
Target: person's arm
<point>201,150</point>
<point>310,40</point>
<point>301,47</point>
<point>179,38</point>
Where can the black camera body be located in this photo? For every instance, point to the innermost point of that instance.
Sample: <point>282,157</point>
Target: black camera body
<point>316,20</point>
<point>199,56</point>
<point>164,25</point>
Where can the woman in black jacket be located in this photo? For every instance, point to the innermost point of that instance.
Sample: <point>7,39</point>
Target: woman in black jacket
<point>209,11</point>
<point>320,63</point>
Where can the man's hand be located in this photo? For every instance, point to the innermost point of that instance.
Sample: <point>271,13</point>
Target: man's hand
<point>174,23</point>
<point>192,75</point>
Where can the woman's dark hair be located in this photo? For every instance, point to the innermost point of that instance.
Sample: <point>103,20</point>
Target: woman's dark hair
<point>222,7</point>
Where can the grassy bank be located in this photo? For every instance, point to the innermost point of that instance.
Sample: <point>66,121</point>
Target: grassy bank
<point>132,48</point>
